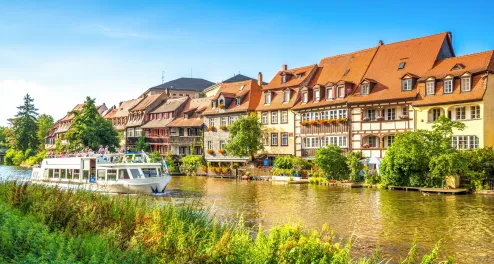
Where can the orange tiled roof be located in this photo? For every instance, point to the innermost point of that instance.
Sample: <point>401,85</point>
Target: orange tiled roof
<point>419,55</point>
<point>111,114</point>
<point>145,102</point>
<point>170,105</point>
<point>125,106</point>
<point>293,80</point>
<point>277,100</point>
<point>197,105</point>
<point>251,94</point>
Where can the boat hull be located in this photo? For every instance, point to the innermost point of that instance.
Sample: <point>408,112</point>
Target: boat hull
<point>137,186</point>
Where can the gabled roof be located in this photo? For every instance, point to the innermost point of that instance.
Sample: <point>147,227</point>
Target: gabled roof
<point>473,63</point>
<point>251,93</point>
<point>69,116</point>
<point>419,55</point>
<point>240,78</point>
<point>197,105</point>
<point>293,81</point>
<point>147,101</point>
<point>184,84</point>
<point>277,100</point>
<point>169,105</point>
<point>123,109</point>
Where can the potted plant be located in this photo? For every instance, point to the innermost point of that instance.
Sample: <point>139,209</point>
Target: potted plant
<point>312,122</point>
<point>210,128</point>
<point>223,127</point>
<point>204,168</point>
<point>217,169</point>
<point>366,119</point>
<point>324,121</point>
<point>366,145</point>
<point>224,170</point>
<point>210,151</point>
<point>342,119</point>
<point>305,123</point>
<point>221,106</point>
<point>380,118</point>
<point>222,151</point>
<point>403,117</point>
<point>331,121</point>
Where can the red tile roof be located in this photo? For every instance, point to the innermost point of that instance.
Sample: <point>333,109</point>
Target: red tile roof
<point>145,102</point>
<point>419,55</point>
<point>277,102</point>
<point>251,93</point>
<point>292,81</point>
<point>197,105</point>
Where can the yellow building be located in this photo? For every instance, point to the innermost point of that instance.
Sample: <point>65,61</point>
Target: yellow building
<point>459,88</point>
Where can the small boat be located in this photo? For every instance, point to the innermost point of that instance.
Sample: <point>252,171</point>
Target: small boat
<point>114,173</point>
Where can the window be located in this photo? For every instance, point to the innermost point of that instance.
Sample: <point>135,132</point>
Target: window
<point>283,79</point>
<point>222,144</point>
<point>329,93</point>
<point>274,139</point>
<point>341,113</point>
<point>389,141</point>
<point>130,132</point>
<point>373,141</point>
<point>284,116</point>
<point>317,95</point>
<point>430,85</point>
<point>407,84</point>
<point>371,114</point>
<point>460,113</point>
<point>465,84</point>
<point>465,142</point>
<point>448,86</point>
<point>264,118</point>
<point>211,122</point>
<point>435,113</point>
<point>314,116</point>
<point>239,101</point>
<point>341,92</point>
<point>138,132</point>
<point>274,117</point>
<point>213,104</point>
<point>210,144</point>
<point>284,139</point>
<point>339,141</point>
<point>475,111</point>
<point>401,66</point>
<point>241,87</point>
<point>324,115</point>
<point>223,121</point>
<point>267,98</point>
<point>180,132</point>
<point>230,120</point>
<point>265,138</point>
<point>311,142</point>
<point>299,76</point>
<point>391,114</point>
<point>305,97</point>
<point>333,114</point>
<point>404,110</point>
<point>186,116</point>
<point>286,96</point>
<point>364,89</point>
<point>346,72</point>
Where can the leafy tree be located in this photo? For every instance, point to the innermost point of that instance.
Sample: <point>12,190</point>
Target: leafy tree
<point>480,163</point>
<point>141,144</point>
<point>44,123</point>
<point>441,166</point>
<point>353,163</point>
<point>283,162</point>
<point>301,164</point>
<point>90,129</point>
<point>3,135</point>
<point>191,163</point>
<point>332,162</point>
<point>24,126</point>
<point>245,137</point>
<point>170,162</point>
<point>155,156</point>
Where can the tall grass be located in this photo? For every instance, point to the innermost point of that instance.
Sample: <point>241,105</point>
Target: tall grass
<point>90,227</point>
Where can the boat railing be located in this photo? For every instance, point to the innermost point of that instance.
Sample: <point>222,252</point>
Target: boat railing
<point>111,158</point>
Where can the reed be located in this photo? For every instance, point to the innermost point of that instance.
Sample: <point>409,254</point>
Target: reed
<point>91,227</point>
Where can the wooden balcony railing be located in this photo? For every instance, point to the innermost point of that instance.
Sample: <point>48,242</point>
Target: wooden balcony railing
<point>185,140</point>
<point>327,128</point>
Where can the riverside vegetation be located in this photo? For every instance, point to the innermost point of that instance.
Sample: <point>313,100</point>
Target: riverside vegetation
<point>47,224</point>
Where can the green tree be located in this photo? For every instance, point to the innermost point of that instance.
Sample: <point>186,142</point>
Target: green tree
<point>441,166</point>
<point>191,163</point>
<point>44,123</point>
<point>90,129</point>
<point>3,135</point>
<point>24,126</point>
<point>141,144</point>
<point>353,163</point>
<point>283,162</point>
<point>332,162</point>
<point>155,156</point>
<point>170,162</point>
<point>245,137</point>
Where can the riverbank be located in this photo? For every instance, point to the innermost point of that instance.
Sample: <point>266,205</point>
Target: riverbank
<point>134,227</point>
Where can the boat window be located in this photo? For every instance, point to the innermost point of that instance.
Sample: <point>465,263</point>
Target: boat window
<point>63,174</point>
<point>149,173</point>
<point>112,175</point>
<point>51,173</point>
<point>45,173</point>
<point>57,173</point>
<point>101,175</point>
<point>69,174</point>
<point>85,174</point>
<point>76,174</point>
<point>135,173</point>
<point>123,174</point>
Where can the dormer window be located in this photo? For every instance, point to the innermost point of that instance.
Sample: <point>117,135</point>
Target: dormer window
<point>346,72</point>
<point>329,93</point>
<point>186,116</point>
<point>267,98</point>
<point>457,67</point>
<point>364,89</point>
<point>448,85</point>
<point>317,95</point>
<point>466,84</point>
<point>283,78</point>
<point>299,76</point>
<point>286,96</point>
<point>341,92</point>
<point>305,97</point>
<point>241,87</point>
<point>401,66</point>
<point>430,87</point>
<point>239,101</point>
<point>406,84</point>
<point>213,104</point>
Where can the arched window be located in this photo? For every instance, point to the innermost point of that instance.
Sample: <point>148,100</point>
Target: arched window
<point>434,114</point>
<point>371,142</point>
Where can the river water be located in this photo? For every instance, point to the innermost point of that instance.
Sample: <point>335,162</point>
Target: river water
<point>463,223</point>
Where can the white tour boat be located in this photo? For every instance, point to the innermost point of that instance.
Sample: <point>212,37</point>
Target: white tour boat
<point>115,173</point>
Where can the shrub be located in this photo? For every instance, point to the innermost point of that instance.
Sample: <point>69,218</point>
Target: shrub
<point>191,163</point>
<point>284,162</point>
<point>210,151</point>
<point>224,128</point>
<point>37,159</point>
<point>155,156</point>
<point>332,162</point>
<point>353,163</point>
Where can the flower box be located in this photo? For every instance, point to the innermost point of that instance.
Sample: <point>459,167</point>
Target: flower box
<point>304,123</point>
<point>313,122</point>
<point>223,127</point>
<point>323,121</point>
<point>341,120</point>
<point>217,169</point>
<point>366,119</point>
<point>222,151</point>
<point>221,106</point>
<point>210,151</point>
<point>210,128</point>
<point>380,118</point>
<point>224,170</point>
<point>366,145</point>
<point>404,117</point>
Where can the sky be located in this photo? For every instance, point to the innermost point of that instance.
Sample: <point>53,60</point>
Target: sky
<point>62,51</point>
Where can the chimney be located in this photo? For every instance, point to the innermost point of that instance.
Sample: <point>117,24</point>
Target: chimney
<point>380,43</point>
<point>259,79</point>
<point>284,67</point>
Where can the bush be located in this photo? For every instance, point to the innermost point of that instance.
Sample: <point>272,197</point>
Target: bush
<point>37,159</point>
<point>155,156</point>
<point>170,162</point>
<point>191,163</point>
<point>353,163</point>
<point>283,162</point>
<point>332,162</point>
<point>14,157</point>
<point>449,164</point>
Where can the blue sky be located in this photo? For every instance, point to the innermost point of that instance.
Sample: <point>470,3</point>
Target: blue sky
<point>61,51</point>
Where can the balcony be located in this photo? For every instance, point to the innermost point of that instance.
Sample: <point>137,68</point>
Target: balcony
<point>326,128</point>
<point>158,140</point>
<point>310,153</point>
<point>177,140</point>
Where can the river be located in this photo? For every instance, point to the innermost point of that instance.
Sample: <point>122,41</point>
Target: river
<point>463,223</point>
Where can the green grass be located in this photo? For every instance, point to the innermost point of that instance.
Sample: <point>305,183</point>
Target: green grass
<point>46,224</point>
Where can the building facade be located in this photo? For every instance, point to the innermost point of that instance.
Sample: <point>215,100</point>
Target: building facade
<point>119,116</point>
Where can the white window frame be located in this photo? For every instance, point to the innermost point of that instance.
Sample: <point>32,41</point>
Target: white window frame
<point>311,143</point>
<point>286,96</point>
<point>210,144</point>
<point>448,86</point>
<point>329,93</point>
<point>465,142</point>
<point>223,121</point>
<point>364,89</point>
<point>211,122</point>
<point>274,117</point>
<point>371,113</point>
<point>267,98</point>
<point>231,120</point>
<point>430,87</point>
<point>391,113</point>
<point>284,116</point>
<point>460,113</point>
<point>284,139</point>
<point>407,84</point>
<point>274,137</point>
<point>341,92</point>
<point>264,118</point>
<point>475,111</point>
<point>305,97</point>
<point>466,84</point>
<point>317,95</point>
